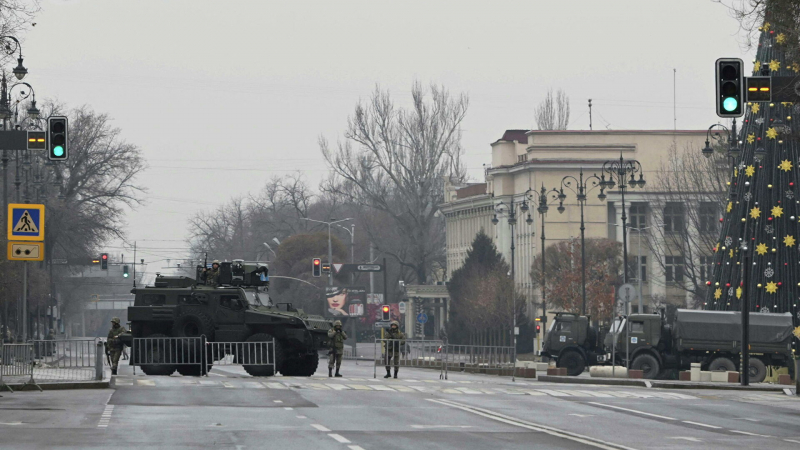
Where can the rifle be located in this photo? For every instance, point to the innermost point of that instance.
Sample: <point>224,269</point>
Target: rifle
<point>108,354</point>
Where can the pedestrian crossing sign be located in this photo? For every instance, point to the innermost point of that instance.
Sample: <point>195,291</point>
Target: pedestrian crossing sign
<point>25,222</point>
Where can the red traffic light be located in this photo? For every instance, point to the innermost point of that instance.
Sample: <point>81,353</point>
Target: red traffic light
<point>316,262</point>
<point>538,328</point>
<point>104,256</point>
<point>385,308</point>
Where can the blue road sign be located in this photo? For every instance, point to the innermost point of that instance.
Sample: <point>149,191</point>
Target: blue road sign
<point>25,222</point>
<point>422,318</point>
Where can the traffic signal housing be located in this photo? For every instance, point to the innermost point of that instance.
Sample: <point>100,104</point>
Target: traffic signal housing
<point>386,313</point>
<point>104,261</point>
<point>730,87</point>
<point>125,273</point>
<point>759,89</point>
<point>316,267</point>
<point>37,140</point>
<point>57,148</point>
<point>538,325</point>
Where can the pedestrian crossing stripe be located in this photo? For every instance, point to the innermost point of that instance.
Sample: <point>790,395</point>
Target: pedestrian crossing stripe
<point>404,388</point>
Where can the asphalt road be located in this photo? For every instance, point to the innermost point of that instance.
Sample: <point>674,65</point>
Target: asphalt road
<point>231,410</point>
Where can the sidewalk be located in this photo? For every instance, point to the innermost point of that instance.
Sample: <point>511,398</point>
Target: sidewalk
<point>666,384</point>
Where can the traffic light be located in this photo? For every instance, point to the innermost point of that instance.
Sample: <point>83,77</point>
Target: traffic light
<point>730,87</point>
<point>386,313</point>
<point>759,89</point>
<point>326,268</point>
<point>37,140</point>
<point>104,261</point>
<point>57,138</point>
<point>316,267</point>
<point>538,327</point>
<point>125,271</point>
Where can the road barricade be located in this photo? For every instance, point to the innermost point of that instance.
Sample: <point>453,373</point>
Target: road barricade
<point>68,360</point>
<point>16,365</point>
<point>197,351</point>
<point>496,360</point>
<point>408,353</point>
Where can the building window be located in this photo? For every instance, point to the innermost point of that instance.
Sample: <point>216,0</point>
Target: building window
<point>707,217</point>
<point>522,158</point>
<point>643,264</point>
<point>706,267</point>
<point>673,218</point>
<point>638,215</point>
<point>673,269</point>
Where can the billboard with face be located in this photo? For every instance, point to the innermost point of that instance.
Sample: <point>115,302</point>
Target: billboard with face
<point>346,301</point>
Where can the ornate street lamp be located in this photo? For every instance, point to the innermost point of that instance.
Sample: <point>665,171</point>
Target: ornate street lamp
<point>620,172</point>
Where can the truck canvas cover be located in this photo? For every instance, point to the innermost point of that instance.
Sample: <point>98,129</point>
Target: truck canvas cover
<point>694,326</point>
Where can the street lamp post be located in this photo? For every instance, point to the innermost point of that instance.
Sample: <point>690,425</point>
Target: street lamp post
<point>512,222</point>
<point>619,173</point>
<point>330,249</point>
<point>583,188</point>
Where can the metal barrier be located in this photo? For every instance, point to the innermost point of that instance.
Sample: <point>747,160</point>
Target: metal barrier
<point>196,351</point>
<point>68,360</point>
<point>16,365</point>
<point>409,353</point>
<point>478,359</point>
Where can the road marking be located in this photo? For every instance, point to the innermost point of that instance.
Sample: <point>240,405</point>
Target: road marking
<point>317,386</point>
<point>145,382</point>
<point>403,389</point>
<point>685,438</point>
<point>275,385</point>
<point>10,423</point>
<point>379,387</point>
<point>592,394</point>
<point>648,384</point>
<point>355,447</point>
<point>554,393</point>
<point>320,427</point>
<point>339,438</point>
<point>277,401</point>
<point>288,408</point>
<point>581,415</point>
<point>207,383</point>
<point>792,440</point>
<point>105,417</point>
<point>227,384</point>
<point>338,387</point>
<point>468,391</point>
<point>632,410</point>
<point>750,434</point>
<point>701,424</point>
<point>532,426</point>
<point>360,387</point>
<point>254,384</point>
<point>451,391</point>
<point>788,391</point>
<point>534,393</point>
<point>440,426</point>
<point>301,417</point>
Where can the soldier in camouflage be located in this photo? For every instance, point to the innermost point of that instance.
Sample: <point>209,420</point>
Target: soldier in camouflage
<point>336,336</point>
<point>394,345</point>
<point>113,344</point>
<point>211,276</point>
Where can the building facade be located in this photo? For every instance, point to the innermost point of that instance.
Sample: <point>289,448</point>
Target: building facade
<point>525,160</point>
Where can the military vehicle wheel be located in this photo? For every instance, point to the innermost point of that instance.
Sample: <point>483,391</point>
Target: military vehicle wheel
<point>193,323</point>
<point>722,364</point>
<point>255,355</point>
<point>156,352</point>
<point>573,362</point>
<point>647,364</point>
<point>758,370</point>
<point>301,367</point>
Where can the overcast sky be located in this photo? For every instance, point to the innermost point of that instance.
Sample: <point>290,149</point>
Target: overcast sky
<point>222,95</point>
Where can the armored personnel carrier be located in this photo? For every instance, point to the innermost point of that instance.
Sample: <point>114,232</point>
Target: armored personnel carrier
<point>238,309</point>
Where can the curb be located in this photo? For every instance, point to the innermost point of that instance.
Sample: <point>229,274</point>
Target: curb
<point>60,386</point>
<point>658,384</point>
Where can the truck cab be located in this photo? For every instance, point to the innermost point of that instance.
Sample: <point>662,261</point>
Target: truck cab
<point>573,343</point>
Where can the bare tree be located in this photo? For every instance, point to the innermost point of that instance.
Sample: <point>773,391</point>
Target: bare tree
<point>685,210</point>
<point>783,17</point>
<point>393,163</point>
<point>553,112</point>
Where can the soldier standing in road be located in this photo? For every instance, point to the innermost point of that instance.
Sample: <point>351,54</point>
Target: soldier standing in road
<point>211,276</point>
<point>395,340</point>
<point>114,345</point>
<point>337,337</point>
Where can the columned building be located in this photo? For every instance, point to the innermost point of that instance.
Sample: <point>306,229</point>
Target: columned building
<point>523,160</point>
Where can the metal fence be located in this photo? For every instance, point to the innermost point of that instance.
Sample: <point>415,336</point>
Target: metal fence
<point>197,351</point>
<point>409,353</point>
<point>51,361</point>
<point>478,359</point>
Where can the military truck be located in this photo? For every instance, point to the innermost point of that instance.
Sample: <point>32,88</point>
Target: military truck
<point>239,309</point>
<point>711,338</point>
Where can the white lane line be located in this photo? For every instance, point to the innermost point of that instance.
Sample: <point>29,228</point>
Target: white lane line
<point>320,427</point>
<point>339,438</point>
<point>227,384</point>
<point>648,384</point>
<point>594,442</point>
<point>288,408</point>
<point>701,424</point>
<point>277,401</point>
<point>788,391</point>
<point>338,387</point>
<point>355,447</point>
<point>792,440</point>
<point>553,393</point>
<point>750,434</point>
<point>632,410</point>
<point>301,417</point>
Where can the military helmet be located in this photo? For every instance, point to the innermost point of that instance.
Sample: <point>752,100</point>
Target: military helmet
<point>337,323</point>
<point>216,261</point>
<point>395,323</point>
<point>115,320</point>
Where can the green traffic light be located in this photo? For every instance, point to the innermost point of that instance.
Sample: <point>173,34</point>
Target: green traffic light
<point>125,275</point>
<point>58,151</point>
<point>730,104</point>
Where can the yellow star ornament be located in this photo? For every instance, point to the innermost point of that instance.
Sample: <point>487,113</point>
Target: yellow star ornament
<point>755,212</point>
<point>751,138</point>
<point>777,211</point>
<point>789,241</point>
<point>796,332</point>
<point>772,287</point>
<point>755,108</point>
<point>739,292</point>
<point>780,38</point>
<point>749,171</point>
<point>772,133</point>
<point>730,254</point>
<point>730,207</point>
<point>796,67</point>
<point>761,249</point>
<point>785,165</point>
<point>766,26</point>
<point>718,293</point>
<point>757,67</point>
<point>774,65</point>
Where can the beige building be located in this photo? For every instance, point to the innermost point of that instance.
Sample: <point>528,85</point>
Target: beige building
<point>523,160</point>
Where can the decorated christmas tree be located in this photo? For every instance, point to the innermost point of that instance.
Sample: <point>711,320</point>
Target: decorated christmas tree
<point>760,220</point>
